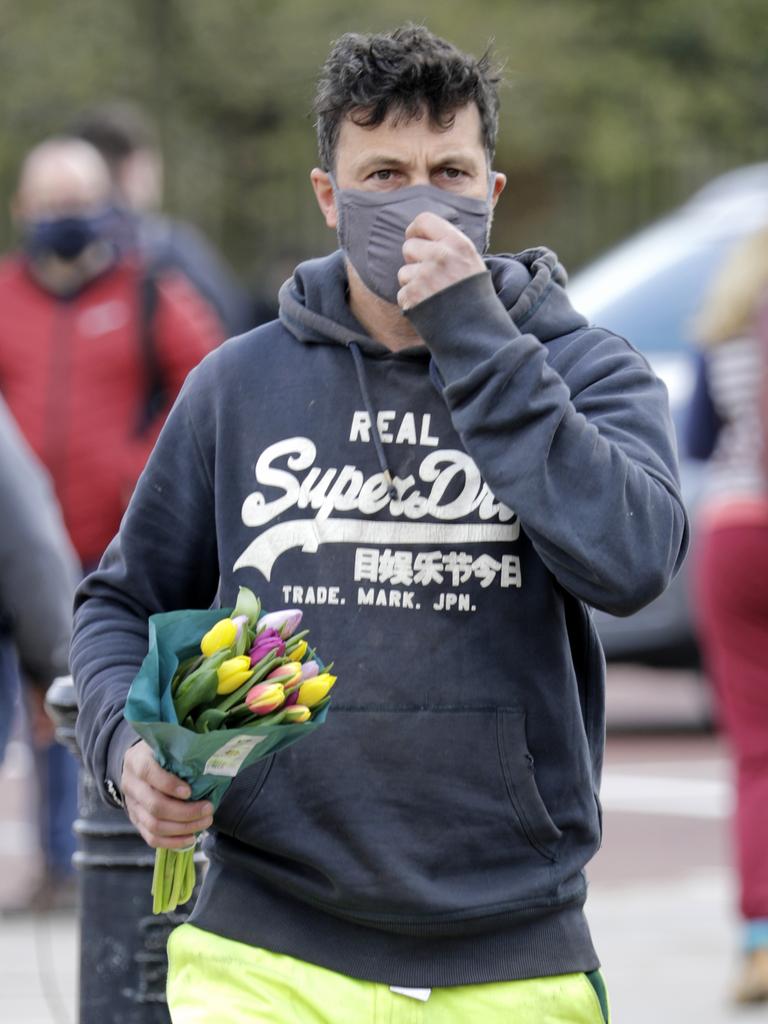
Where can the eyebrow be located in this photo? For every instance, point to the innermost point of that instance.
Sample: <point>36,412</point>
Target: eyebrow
<point>388,160</point>
<point>377,159</point>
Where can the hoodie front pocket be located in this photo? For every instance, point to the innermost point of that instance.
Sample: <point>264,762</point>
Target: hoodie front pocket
<point>422,811</point>
<point>519,777</point>
<point>240,795</point>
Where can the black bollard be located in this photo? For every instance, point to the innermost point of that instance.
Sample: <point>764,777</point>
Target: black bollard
<point>123,963</point>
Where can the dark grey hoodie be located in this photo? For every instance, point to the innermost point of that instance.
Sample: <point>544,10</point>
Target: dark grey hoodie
<point>435,830</point>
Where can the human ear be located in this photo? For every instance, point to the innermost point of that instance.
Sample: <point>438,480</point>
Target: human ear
<point>326,200</point>
<point>499,184</point>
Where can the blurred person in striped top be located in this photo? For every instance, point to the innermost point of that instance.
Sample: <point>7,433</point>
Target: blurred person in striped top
<point>728,425</point>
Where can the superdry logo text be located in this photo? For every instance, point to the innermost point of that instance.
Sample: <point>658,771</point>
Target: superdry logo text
<point>444,506</point>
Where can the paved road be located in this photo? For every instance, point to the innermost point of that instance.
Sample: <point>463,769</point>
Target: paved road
<point>661,898</point>
<point>661,895</point>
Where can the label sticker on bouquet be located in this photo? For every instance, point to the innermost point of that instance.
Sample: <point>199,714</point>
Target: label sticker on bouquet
<point>227,759</point>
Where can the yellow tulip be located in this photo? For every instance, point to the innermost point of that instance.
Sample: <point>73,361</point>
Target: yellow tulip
<point>314,690</point>
<point>299,651</point>
<point>223,634</point>
<point>297,714</point>
<point>233,673</point>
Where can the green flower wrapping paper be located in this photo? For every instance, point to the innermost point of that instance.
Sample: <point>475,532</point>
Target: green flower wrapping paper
<point>210,760</point>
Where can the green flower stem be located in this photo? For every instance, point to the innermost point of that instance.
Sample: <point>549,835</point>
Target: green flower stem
<point>190,878</point>
<point>293,642</point>
<point>157,880</point>
<point>245,642</point>
<point>173,879</point>
<point>178,875</point>
<point>200,686</point>
<point>186,668</point>
<point>167,880</point>
<point>271,719</point>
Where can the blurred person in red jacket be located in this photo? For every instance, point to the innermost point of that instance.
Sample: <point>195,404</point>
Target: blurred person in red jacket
<point>75,367</point>
<point>126,137</point>
<point>92,354</point>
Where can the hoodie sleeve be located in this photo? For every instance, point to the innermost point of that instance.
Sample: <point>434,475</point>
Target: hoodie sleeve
<point>579,444</point>
<point>163,558</point>
<point>38,567</point>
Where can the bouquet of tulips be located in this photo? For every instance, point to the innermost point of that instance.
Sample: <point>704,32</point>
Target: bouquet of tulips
<point>218,690</point>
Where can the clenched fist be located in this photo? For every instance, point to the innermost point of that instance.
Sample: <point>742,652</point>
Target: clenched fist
<point>436,256</point>
<point>156,801</point>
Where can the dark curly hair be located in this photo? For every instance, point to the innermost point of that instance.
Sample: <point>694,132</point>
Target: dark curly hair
<point>404,72</point>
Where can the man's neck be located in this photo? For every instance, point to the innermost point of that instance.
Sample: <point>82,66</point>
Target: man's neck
<point>382,321</point>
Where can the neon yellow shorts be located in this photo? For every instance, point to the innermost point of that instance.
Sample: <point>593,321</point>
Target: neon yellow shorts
<point>212,980</point>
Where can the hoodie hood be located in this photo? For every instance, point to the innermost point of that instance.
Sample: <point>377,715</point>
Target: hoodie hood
<point>530,285</point>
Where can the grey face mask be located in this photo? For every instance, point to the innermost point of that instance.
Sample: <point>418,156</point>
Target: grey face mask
<point>371,227</point>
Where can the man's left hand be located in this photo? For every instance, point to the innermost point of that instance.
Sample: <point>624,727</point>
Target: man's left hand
<point>436,256</point>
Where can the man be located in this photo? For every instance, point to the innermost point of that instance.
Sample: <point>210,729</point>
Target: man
<point>79,376</point>
<point>445,468</point>
<point>38,574</point>
<point>74,366</point>
<point>127,140</point>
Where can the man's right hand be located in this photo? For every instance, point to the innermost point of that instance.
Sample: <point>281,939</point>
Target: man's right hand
<point>156,801</point>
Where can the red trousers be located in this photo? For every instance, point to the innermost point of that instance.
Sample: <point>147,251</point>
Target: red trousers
<point>731,592</point>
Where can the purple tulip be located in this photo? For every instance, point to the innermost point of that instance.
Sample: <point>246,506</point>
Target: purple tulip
<point>284,622</point>
<point>268,640</point>
<point>309,669</point>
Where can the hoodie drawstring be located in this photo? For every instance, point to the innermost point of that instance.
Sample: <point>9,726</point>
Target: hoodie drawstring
<point>357,358</point>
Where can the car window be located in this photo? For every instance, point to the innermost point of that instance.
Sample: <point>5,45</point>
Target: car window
<point>656,314</point>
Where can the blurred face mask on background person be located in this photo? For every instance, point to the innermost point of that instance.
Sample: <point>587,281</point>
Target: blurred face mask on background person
<point>371,227</point>
<point>67,237</point>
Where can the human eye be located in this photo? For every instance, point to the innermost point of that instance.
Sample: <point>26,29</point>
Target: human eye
<point>381,175</point>
<point>451,175</point>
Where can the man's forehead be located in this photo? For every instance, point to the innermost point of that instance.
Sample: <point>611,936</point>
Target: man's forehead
<point>402,127</point>
<point>63,176</point>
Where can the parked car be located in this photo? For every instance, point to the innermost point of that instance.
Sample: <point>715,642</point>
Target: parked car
<point>648,289</point>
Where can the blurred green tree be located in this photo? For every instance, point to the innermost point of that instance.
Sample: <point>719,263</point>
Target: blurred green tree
<point>612,112</point>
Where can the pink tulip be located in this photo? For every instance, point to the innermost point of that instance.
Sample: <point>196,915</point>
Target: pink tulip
<point>264,698</point>
<point>288,675</point>
<point>285,622</point>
